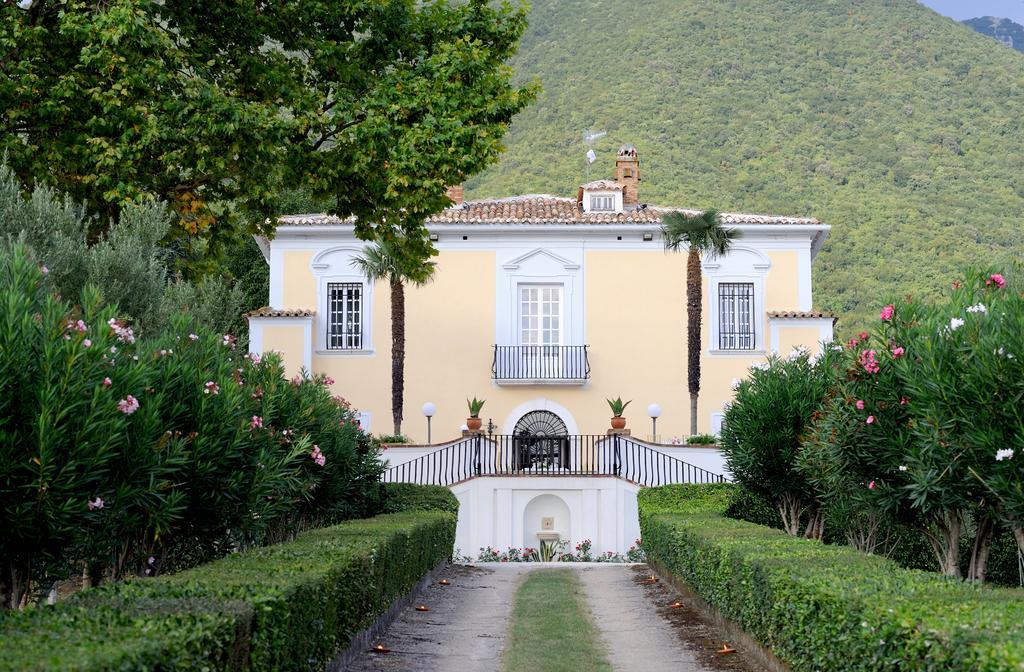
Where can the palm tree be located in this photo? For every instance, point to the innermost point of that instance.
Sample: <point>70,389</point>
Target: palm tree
<point>701,234</point>
<point>384,261</point>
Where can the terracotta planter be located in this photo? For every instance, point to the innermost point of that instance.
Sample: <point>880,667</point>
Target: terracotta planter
<point>618,423</point>
<point>474,424</point>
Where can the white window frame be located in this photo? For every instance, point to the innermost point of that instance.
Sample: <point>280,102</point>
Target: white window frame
<point>723,271</point>
<point>602,203</point>
<point>540,328</point>
<point>347,304</point>
<point>333,266</point>
<point>736,317</point>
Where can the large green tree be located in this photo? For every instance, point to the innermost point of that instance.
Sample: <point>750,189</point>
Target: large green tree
<point>387,261</point>
<point>215,107</point>
<point>701,234</point>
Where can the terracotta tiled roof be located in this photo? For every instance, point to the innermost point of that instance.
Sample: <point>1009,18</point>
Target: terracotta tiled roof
<point>806,314</point>
<point>267,311</point>
<point>542,209</point>
<point>602,185</point>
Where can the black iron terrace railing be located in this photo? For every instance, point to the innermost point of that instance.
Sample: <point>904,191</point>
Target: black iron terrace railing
<point>540,363</point>
<point>576,455</point>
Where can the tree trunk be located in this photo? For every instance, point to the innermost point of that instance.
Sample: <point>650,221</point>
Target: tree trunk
<point>694,291</point>
<point>945,542</point>
<point>397,352</point>
<point>789,510</point>
<point>1018,534</point>
<point>816,525</point>
<point>982,546</point>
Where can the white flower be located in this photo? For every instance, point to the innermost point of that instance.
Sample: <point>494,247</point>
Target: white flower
<point>955,323</point>
<point>1004,454</point>
<point>977,308</point>
<point>760,366</point>
<point>903,467</point>
<point>798,352</point>
<point>735,384</point>
<point>1003,353</point>
<point>837,348</point>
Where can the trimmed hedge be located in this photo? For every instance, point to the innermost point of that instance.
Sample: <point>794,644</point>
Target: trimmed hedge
<point>821,607</point>
<point>400,497</point>
<point>291,606</point>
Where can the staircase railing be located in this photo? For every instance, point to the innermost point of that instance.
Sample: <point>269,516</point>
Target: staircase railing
<point>576,455</point>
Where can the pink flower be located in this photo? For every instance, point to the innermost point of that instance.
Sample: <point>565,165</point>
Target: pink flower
<point>193,338</point>
<point>887,312</point>
<point>255,358</point>
<point>107,382</point>
<point>124,334</point>
<point>871,485</point>
<point>998,279</point>
<point>863,335</point>
<point>128,405</point>
<point>44,269</point>
<point>897,352</point>
<point>904,401</point>
<point>860,404</point>
<point>211,388</point>
<point>256,422</point>
<point>80,326</point>
<point>229,340</point>
<point>870,420</point>
<point>868,361</point>
<point>328,381</point>
<point>957,284</point>
<point>87,343</point>
<point>317,456</point>
<point>95,504</point>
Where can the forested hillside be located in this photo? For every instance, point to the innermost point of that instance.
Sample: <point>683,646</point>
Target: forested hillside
<point>901,128</point>
<point>1006,31</point>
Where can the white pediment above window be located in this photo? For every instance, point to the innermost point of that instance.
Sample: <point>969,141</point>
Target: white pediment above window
<point>336,260</point>
<point>738,260</point>
<point>541,257</point>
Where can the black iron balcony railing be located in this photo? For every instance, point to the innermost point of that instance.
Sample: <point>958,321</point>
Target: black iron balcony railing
<point>540,363</point>
<point>576,455</point>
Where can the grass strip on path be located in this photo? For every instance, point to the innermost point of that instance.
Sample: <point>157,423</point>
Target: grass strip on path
<point>552,629</point>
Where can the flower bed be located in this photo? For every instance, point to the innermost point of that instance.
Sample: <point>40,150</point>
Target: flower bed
<point>291,606</point>
<point>820,607</point>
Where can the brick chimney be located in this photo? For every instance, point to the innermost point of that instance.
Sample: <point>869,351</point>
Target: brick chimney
<point>455,193</point>
<point>627,173</point>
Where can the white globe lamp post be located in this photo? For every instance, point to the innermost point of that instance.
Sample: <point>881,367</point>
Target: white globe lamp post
<point>429,409</point>
<point>654,411</point>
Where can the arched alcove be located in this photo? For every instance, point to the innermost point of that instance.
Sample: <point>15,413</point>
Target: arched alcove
<point>541,507</point>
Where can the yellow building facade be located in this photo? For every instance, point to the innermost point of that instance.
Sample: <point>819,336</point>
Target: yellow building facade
<point>544,306</point>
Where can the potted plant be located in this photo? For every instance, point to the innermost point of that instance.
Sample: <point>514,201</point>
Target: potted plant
<point>617,406</point>
<point>473,422</point>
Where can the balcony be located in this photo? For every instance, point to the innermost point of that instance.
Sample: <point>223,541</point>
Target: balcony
<point>540,365</point>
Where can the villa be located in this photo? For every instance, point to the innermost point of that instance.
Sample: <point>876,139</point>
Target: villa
<point>545,306</point>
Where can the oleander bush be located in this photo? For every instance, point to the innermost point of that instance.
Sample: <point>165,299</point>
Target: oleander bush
<point>122,455</point>
<point>922,425</point>
<point>289,606</point>
<point>826,607</point>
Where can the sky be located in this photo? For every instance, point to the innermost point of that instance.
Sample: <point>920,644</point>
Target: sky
<point>968,9</point>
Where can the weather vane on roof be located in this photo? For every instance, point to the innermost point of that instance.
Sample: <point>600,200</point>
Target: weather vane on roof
<point>590,137</point>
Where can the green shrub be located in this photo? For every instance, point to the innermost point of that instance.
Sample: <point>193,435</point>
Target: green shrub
<point>822,607</point>
<point>752,507</point>
<point>923,425</point>
<point>400,497</point>
<point>138,455</point>
<point>702,440</point>
<point>290,606</point>
<point>762,429</point>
